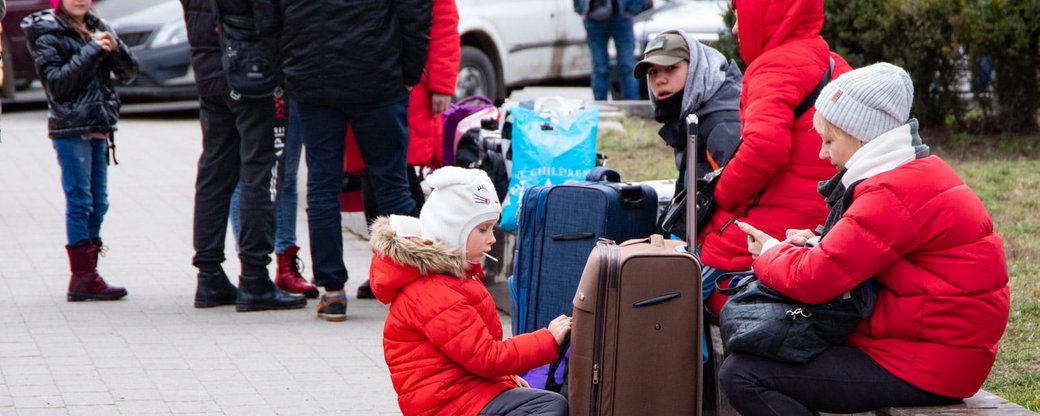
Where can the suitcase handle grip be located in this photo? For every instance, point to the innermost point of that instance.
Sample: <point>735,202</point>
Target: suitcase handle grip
<point>573,236</point>
<point>632,196</point>
<point>656,299</point>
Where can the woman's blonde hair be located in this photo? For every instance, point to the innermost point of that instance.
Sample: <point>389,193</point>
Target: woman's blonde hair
<point>826,128</point>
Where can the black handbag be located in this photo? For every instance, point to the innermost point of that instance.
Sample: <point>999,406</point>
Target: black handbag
<point>246,57</point>
<point>674,218</point>
<point>759,320</point>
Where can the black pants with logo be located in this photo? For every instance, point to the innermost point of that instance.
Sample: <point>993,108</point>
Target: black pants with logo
<point>841,380</point>
<point>238,142</point>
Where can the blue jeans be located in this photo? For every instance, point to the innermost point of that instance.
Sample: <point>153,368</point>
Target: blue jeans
<point>84,178</point>
<point>598,34</point>
<point>288,197</point>
<point>382,138</point>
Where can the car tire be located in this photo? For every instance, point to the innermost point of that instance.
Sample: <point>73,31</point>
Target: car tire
<point>8,89</point>
<point>477,75</point>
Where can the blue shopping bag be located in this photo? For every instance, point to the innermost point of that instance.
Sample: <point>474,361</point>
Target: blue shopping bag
<point>550,147</point>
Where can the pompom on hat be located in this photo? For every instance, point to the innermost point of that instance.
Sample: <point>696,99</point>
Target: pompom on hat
<point>868,101</point>
<point>461,200</point>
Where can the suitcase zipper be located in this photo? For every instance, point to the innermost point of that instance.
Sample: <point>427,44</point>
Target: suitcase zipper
<point>607,269</point>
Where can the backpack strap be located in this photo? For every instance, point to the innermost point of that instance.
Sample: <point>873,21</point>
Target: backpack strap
<point>810,101</point>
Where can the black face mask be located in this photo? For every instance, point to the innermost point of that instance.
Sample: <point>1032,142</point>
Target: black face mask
<point>668,110</point>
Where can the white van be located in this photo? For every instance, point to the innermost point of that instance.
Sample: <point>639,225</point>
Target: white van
<point>508,44</point>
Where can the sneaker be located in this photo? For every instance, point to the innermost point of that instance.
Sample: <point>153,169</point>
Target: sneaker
<point>364,291</point>
<point>333,308</point>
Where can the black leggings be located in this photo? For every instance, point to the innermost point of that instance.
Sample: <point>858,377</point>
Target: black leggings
<point>841,380</point>
<point>526,401</point>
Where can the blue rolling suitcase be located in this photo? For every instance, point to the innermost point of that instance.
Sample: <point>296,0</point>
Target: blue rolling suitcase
<point>559,226</point>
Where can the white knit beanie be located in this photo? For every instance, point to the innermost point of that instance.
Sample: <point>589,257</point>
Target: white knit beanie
<point>868,101</point>
<point>461,200</point>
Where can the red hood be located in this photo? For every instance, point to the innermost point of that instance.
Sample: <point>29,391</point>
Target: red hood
<point>766,24</point>
<point>398,261</point>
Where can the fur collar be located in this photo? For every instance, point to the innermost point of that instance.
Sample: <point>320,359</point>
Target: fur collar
<point>426,256</point>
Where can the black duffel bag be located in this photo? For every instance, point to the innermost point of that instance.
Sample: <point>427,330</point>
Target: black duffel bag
<point>759,320</point>
<point>674,218</point>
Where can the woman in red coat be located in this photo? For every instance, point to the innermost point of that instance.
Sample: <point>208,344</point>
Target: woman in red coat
<point>771,180</point>
<point>442,339</point>
<point>905,221</point>
<point>429,98</point>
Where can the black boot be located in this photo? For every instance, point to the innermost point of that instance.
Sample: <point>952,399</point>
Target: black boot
<point>258,293</point>
<point>364,291</point>
<point>214,289</point>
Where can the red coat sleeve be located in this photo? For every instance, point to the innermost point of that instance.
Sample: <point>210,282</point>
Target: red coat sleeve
<point>442,65</point>
<point>771,96</point>
<point>874,233</point>
<point>457,330</point>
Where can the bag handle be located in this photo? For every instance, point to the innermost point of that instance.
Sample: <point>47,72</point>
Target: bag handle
<point>810,100</point>
<point>480,98</point>
<point>602,174</point>
<point>550,381</point>
<point>692,123</point>
<point>732,290</point>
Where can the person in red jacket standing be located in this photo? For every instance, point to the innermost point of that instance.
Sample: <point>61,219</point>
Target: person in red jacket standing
<point>905,221</point>
<point>429,98</point>
<point>442,339</point>
<point>771,180</point>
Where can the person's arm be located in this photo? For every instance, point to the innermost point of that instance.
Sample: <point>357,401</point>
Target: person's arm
<point>63,79</point>
<point>768,118</point>
<point>415,17</point>
<point>124,62</point>
<point>442,65</point>
<point>873,234</point>
<point>458,331</point>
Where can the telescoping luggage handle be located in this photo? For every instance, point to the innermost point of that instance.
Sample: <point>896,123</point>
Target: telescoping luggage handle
<point>691,182</point>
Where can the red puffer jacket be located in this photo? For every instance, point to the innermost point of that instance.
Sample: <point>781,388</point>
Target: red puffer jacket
<point>943,298</point>
<point>442,339</point>
<point>425,130</point>
<point>779,157</point>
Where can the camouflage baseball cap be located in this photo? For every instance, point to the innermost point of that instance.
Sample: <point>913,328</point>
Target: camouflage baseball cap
<point>665,49</point>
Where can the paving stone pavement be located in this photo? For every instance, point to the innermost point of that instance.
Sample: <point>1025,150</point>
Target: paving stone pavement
<point>152,352</point>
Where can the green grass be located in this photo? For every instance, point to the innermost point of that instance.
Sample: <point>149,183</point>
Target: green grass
<point>1003,171</point>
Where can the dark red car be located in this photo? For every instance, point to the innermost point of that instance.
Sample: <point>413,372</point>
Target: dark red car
<point>18,65</point>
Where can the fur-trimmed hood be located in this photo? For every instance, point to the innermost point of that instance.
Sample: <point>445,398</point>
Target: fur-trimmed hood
<point>401,256</point>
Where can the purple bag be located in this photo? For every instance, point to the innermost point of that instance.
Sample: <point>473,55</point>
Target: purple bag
<point>453,115</point>
<point>538,378</point>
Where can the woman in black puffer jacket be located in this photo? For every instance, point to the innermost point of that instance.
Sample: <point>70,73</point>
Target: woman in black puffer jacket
<point>75,54</point>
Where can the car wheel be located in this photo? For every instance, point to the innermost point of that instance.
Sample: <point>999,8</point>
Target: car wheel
<point>477,75</point>
<point>9,84</point>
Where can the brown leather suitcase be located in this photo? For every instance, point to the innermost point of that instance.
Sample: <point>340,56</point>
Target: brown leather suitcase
<point>636,335</point>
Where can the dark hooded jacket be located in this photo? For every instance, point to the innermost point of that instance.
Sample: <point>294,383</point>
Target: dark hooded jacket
<point>76,73</point>
<point>201,23</point>
<point>350,51</point>
<point>712,92</point>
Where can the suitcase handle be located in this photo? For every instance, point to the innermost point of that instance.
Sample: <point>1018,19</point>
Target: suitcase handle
<point>602,174</point>
<point>573,236</point>
<point>656,299</point>
<point>632,196</point>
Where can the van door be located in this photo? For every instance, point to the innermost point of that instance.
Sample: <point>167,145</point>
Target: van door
<point>571,58</point>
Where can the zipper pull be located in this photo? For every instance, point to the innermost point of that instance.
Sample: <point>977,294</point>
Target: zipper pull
<point>595,374</point>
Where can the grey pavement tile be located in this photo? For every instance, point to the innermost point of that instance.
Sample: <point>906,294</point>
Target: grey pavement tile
<point>196,406</point>
<point>41,411</point>
<point>131,395</point>
<point>88,398</point>
<point>143,407</point>
<point>103,410</point>
<point>38,401</point>
<point>8,411</point>
<point>185,395</point>
<point>248,411</point>
<point>237,400</point>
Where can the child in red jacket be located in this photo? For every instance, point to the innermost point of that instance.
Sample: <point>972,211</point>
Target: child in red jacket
<point>442,339</point>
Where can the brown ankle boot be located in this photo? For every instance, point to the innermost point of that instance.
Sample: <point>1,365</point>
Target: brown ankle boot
<point>85,282</point>
<point>288,277</point>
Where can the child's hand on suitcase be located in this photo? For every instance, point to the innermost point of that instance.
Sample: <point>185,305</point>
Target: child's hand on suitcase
<point>559,328</point>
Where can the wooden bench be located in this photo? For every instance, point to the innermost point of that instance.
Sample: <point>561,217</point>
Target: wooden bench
<point>982,403</point>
